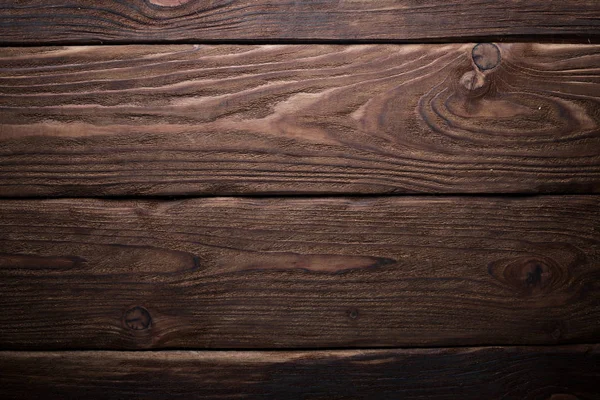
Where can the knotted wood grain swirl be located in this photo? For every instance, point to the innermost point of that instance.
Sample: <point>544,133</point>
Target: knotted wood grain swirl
<point>135,120</point>
<point>488,106</point>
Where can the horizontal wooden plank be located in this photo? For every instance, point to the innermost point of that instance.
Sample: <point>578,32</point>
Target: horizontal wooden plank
<point>189,120</point>
<point>299,273</point>
<point>38,21</point>
<point>524,373</point>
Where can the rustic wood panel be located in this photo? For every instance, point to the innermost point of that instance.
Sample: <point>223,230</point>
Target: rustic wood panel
<point>311,273</point>
<point>523,373</point>
<point>186,120</point>
<point>39,21</point>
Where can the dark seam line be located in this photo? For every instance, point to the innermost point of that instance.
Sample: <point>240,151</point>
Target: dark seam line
<point>298,348</point>
<point>292,196</point>
<point>591,38</point>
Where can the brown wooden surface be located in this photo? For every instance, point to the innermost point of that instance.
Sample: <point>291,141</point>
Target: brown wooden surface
<point>160,120</point>
<point>403,284</point>
<point>40,21</point>
<point>306,273</point>
<point>523,373</point>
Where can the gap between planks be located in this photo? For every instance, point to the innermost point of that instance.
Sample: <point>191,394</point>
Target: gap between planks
<point>507,39</point>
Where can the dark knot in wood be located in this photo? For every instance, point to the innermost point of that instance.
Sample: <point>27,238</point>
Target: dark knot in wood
<point>352,313</point>
<point>486,56</point>
<point>137,318</point>
<point>530,275</point>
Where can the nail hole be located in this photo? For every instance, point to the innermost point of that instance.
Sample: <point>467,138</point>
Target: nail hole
<point>352,313</point>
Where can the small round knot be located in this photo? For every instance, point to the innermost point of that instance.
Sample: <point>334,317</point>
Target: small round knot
<point>137,318</point>
<point>352,313</point>
<point>532,275</point>
<point>486,56</point>
<point>472,80</point>
<point>556,334</point>
<point>556,330</point>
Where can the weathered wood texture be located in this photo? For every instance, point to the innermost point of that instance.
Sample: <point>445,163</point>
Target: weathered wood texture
<point>136,120</point>
<point>529,373</point>
<point>312,273</point>
<point>40,21</point>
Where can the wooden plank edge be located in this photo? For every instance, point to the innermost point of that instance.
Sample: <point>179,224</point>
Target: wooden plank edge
<point>113,21</point>
<point>546,372</point>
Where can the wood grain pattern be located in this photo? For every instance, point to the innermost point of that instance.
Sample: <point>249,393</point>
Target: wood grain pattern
<point>189,120</point>
<point>309,273</point>
<point>39,21</point>
<point>523,373</point>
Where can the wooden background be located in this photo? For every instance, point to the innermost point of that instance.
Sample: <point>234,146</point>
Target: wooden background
<point>366,199</point>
